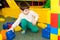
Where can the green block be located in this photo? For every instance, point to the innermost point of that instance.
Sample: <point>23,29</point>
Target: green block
<point>59,21</point>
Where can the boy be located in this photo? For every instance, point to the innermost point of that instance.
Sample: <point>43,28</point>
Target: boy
<point>27,19</point>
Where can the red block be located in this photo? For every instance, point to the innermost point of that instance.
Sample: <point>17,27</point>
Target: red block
<point>9,25</point>
<point>58,37</point>
<point>54,20</point>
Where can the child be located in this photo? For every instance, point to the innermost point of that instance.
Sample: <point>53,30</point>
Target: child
<point>27,19</point>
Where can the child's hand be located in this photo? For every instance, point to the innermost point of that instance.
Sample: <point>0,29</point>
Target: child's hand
<point>11,29</point>
<point>34,22</point>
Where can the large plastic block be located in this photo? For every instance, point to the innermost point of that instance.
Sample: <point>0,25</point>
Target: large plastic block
<point>10,35</point>
<point>58,37</point>
<point>53,37</point>
<point>54,20</point>
<point>18,28</point>
<point>46,31</point>
<point>42,25</point>
<point>0,36</point>
<point>9,26</point>
<point>3,32</point>
<point>54,30</point>
<point>46,36</point>
<point>59,21</point>
<point>48,25</point>
<point>55,6</point>
<point>59,32</point>
<point>2,19</point>
<point>9,22</point>
<point>5,26</point>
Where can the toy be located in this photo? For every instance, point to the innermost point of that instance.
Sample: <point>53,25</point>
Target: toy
<point>7,25</point>
<point>46,32</point>
<point>2,19</point>
<point>18,28</point>
<point>3,32</point>
<point>0,36</point>
<point>42,25</point>
<point>10,35</point>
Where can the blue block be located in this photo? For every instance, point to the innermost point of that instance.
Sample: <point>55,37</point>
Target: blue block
<point>46,36</point>
<point>10,35</point>
<point>54,30</point>
<point>10,22</point>
<point>5,26</point>
<point>46,29</point>
<point>48,25</point>
<point>9,39</point>
<point>45,32</point>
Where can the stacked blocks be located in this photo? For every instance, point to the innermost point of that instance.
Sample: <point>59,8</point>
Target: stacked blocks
<point>54,26</point>
<point>7,35</point>
<point>46,32</point>
<point>7,25</point>
<point>3,32</point>
<point>10,35</point>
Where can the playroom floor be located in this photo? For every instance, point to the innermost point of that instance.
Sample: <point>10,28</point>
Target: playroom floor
<point>28,36</point>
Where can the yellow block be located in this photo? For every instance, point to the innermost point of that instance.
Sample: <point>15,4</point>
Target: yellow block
<point>2,19</point>
<point>10,12</point>
<point>42,25</point>
<point>0,37</point>
<point>55,6</point>
<point>53,37</point>
<point>44,13</point>
<point>59,32</point>
<point>18,28</point>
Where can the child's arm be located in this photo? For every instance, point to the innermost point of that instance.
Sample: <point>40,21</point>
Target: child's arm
<point>35,17</point>
<point>16,23</point>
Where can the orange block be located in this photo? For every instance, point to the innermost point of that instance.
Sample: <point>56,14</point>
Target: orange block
<point>3,32</point>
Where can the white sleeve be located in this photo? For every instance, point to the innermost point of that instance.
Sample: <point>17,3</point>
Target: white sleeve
<point>35,15</point>
<point>17,22</point>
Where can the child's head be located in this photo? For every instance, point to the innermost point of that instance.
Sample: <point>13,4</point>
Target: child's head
<point>24,6</point>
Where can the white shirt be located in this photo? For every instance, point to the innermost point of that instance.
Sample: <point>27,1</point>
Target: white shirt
<point>29,17</point>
